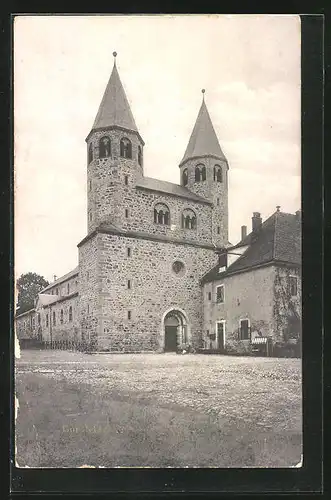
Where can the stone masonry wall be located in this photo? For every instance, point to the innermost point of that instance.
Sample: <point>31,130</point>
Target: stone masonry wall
<point>141,216</point>
<point>25,325</point>
<point>89,289</point>
<point>65,288</point>
<point>155,289</point>
<point>105,178</point>
<point>60,330</point>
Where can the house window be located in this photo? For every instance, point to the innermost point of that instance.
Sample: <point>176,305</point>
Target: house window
<point>33,323</point>
<point>129,284</point>
<point>90,153</point>
<point>68,288</point>
<point>220,294</point>
<point>293,286</point>
<point>185,177</point>
<point>161,214</point>
<point>47,320</point>
<point>38,319</point>
<point>189,219</point>
<point>54,318</point>
<point>57,291</point>
<point>125,148</point>
<point>129,314</point>
<point>209,295</point>
<point>90,185</point>
<point>90,216</point>
<point>129,252</point>
<point>203,173</point>
<point>70,313</point>
<point>244,330</point>
<point>61,316</point>
<point>126,180</point>
<point>126,213</point>
<point>88,308</point>
<point>104,147</point>
<point>52,292</point>
<point>140,155</point>
<point>217,201</point>
<point>218,229</point>
<point>88,275</point>
<point>218,173</point>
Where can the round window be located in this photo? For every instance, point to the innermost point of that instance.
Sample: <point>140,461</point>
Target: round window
<point>178,267</point>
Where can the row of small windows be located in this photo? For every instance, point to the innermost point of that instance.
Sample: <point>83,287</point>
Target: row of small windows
<point>105,151</point>
<point>200,174</point>
<point>70,316</point>
<point>162,216</point>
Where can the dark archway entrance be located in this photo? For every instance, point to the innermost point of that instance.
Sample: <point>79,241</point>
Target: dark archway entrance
<point>175,331</point>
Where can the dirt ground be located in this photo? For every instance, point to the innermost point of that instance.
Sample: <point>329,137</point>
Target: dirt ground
<point>157,410</point>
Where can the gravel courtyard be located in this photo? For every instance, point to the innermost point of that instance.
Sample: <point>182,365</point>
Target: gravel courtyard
<point>157,410</point>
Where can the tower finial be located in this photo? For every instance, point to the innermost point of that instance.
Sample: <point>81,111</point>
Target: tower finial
<point>203,94</point>
<point>114,54</point>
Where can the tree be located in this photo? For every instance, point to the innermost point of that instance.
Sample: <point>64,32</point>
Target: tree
<point>28,287</point>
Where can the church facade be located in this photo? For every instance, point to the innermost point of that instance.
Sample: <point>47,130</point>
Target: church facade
<point>140,284</point>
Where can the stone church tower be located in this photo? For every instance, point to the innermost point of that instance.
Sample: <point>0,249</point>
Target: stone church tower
<point>204,170</point>
<point>149,242</point>
<point>114,157</point>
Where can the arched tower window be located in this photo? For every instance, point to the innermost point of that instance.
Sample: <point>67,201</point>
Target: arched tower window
<point>161,214</point>
<point>185,177</point>
<point>189,219</point>
<point>140,155</point>
<point>218,173</point>
<point>200,173</point>
<point>104,147</point>
<point>70,313</point>
<point>125,148</point>
<point>90,153</point>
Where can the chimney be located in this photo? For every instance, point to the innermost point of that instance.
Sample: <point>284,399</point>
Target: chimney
<point>243,232</point>
<point>54,277</point>
<point>256,222</point>
<point>298,214</point>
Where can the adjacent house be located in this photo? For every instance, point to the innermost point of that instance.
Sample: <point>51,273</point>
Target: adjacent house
<point>252,297</point>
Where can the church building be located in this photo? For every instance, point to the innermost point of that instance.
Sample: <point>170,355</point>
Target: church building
<point>152,248</point>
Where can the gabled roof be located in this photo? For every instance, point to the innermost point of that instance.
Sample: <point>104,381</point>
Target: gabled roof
<point>63,278</point>
<point>203,140</point>
<point>44,299</point>
<point>170,188</point>
<point>114,109</point>
<point>279,240</point>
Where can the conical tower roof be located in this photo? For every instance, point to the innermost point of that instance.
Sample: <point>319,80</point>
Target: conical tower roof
<point>114,109</point>
<point>203,140</point>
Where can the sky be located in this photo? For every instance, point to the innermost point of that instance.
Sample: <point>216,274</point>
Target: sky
<point>248,64</point>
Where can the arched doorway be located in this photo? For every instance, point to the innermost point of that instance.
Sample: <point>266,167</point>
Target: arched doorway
<point>175,330</point>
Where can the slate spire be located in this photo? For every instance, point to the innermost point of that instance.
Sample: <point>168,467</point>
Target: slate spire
<point>114,109</point>
<point>203,140</point>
